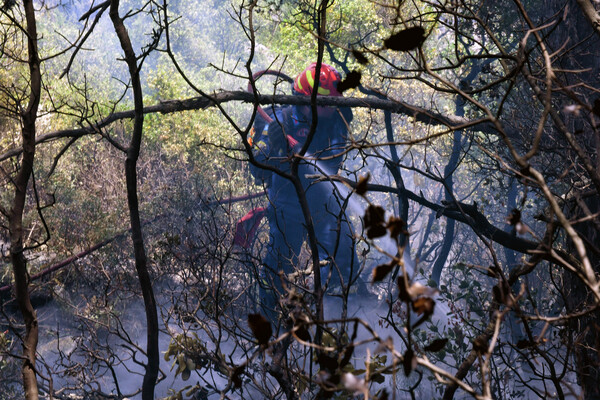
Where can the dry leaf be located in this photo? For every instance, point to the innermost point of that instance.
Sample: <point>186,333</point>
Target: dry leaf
<point>374,215</point>
<point>406,40</point>
<point>374,221</point>
<point>376,231</point>
<point>326,362</point>
<point>596,108</point>
<point>354,384</point>
<point>417,290</point>
<point>302,333</point>
<point>361,186</point>
<point>261,328</point>
<point>423,305</point>
<point>381,271</point>
<point>403,294</point>
<point>514,217</point>
<point>352,81</point>
<point>360,57</point>
<point>436,345</point>
<point>236,376</point>
<point>396,226</point>
<point>521,228</point>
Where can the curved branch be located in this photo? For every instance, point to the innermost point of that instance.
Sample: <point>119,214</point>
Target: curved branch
<point>470,215</point>
<point>590,13</point>
<point>419,114</point>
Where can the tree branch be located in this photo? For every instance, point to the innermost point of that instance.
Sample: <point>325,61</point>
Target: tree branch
<point>590,13</point>
<point>200,103</point>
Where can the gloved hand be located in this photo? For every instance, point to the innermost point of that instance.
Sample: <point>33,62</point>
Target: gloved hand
<point>277,140</point>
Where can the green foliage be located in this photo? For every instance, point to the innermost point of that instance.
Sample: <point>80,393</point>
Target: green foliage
<point>196,392</point>
<point>9,367</point>
<point>188,352</point>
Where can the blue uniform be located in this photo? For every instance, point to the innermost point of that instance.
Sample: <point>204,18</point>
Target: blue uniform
<point>286,220</point>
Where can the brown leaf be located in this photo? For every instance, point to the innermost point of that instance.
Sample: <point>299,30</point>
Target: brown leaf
<point>417,290</point>
<point>501,293</point>
<point>436,345</point>
<point>352,81</point>
<point>524,343</point>
<point>236,376</point>
<point>497,294</point>
<point>381,271</point>
<point>360,57</point>
<point>410,361</point>
<point>261,328</point>
<point>379,378</point>
<point>354,384</point>
<point>480,345</point>
<point>396,226</point>
<point>514,218</point>
<point>596,108</point>
<point>374,221</point>
<point>406,40</point>
<point>361,186</point>
<point>423,305</point>
<point>521,228</point>
<point>376,231</point>
<point>326,362</point>
<point>303,333</point>
<point>374,215</point>
<point>383,395</point>
<point>403,290</point>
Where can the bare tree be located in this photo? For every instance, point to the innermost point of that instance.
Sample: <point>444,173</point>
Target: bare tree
<point>28,114</point>
<point>133,151</point>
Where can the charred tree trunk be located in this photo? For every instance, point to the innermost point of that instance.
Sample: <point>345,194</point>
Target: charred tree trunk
<point>586,329</point>
<point>18,260</point>
<point>438,266</point>
<point>510,256</point>
<point>141,262</point>
<point>394,168</point>
<point>453,161</point>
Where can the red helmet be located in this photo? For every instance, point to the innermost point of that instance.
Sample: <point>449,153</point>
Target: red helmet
<point>329,78</point>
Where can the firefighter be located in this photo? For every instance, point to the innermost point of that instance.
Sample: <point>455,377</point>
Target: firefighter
<point>283,136</point>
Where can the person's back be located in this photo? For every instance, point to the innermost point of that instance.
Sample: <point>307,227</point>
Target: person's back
<point>276,146</point>
<point>323,157</point>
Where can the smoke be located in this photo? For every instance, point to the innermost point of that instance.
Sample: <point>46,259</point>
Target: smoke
<point>387,246</point>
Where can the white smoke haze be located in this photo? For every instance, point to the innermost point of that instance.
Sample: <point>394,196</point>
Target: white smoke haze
<point>64,334</point>
<point>92,328</point>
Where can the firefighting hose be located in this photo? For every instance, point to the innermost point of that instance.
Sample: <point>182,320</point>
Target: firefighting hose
<point>257,76</point>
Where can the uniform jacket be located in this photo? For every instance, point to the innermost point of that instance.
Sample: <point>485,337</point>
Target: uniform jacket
<point>323,156</point>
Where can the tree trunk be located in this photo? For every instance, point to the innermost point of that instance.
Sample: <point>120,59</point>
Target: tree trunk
<point>586,329</point>
<point>141,261</point>
<point>18,260</point>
